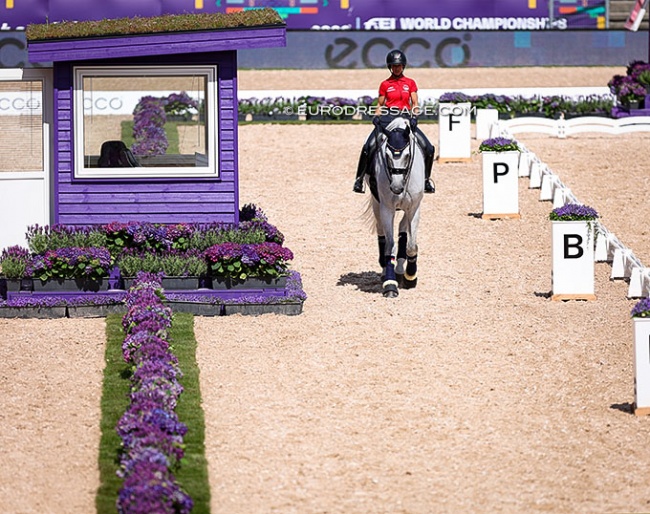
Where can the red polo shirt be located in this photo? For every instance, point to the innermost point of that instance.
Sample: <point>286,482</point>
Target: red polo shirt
<point>397,91</point>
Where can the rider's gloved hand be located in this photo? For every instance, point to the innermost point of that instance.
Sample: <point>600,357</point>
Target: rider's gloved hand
<point>375,121</point>
<point>413,122</point>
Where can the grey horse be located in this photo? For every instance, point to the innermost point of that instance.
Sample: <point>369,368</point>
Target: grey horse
<point>396,182</point>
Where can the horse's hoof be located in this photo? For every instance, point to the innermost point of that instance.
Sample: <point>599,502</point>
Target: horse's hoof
<point>390,291</point>
<point>409,284</point>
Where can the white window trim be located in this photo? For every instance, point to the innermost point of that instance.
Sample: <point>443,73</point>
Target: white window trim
<point>211,103</point>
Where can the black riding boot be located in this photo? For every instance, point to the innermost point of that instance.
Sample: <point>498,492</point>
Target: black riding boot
<point>429,186</point>
<point>429,153</point>
<point>361,171</point>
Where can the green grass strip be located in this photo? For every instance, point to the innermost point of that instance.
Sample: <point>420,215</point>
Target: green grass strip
<point>193,472</point>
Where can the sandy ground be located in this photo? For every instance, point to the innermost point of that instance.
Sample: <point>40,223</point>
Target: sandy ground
<point>472,392</point>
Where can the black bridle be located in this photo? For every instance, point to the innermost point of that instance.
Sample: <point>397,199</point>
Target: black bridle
<point>406,171</point>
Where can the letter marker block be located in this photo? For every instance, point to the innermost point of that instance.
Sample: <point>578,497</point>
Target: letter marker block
<point>641,366</point>
<point>573,260</point>
<point>455,126</point>
<point>500,185</point>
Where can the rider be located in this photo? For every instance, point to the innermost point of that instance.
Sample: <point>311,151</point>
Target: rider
<point>401,93</point>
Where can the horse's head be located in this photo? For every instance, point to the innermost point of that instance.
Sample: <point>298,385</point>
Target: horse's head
<point>398,153</point>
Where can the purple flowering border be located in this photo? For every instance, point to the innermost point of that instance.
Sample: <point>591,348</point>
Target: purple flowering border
<point>151,434</point>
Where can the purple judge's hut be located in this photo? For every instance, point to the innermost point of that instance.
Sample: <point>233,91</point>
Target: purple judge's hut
<point>97,83</point>
<point>112,161</point>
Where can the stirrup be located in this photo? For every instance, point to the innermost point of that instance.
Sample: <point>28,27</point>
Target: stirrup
<point>429,186</point>
<point>358,185</point>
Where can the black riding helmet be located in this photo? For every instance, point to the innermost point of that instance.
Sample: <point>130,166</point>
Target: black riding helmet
<point>395,57</point>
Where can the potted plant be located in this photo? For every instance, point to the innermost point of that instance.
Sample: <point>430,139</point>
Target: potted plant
<point>628,91</point>
<point>641,325</point>
<point>13,266</point>
<point>179,106</point>
<point>500,173</point>
<point>180,270</point>
<point>573,246</point>
<point>249,265</point>
<point>70,268</point>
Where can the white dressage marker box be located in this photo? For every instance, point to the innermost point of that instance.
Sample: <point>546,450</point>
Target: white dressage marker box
<point>573,260</point>
<point>641,366</point>
<point>455,127</point>
<point>500,185</point>
<point>484,120</point>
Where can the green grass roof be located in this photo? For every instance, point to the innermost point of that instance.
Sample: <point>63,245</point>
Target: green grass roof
<point>157,24</point>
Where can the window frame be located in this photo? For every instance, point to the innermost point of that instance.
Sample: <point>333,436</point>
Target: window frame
<point>154,172</point>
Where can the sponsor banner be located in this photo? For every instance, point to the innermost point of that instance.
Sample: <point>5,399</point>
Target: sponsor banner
<point>20,103</point>
<point>358,50</point>
<point>366,15</point>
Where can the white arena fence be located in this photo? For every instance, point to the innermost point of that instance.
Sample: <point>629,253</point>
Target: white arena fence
<point>563,128</point>
<point>625,265</point>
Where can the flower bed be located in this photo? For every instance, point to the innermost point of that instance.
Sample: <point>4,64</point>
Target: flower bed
<point>214,258</point>
<point>151,433</point>
<point>338,108</point>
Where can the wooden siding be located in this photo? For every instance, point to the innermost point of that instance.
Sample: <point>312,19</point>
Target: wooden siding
<point>96,201</point>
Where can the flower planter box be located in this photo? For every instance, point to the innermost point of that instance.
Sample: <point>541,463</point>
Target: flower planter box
<point>256,283</point>
<point>94,311</point>
<point>287,309</point>
<point>170,283</point>
<point>641,366</point>
<point>218,283</point>
<point>196,308</point>
<point>500,184</point>
<point>573,260</point>
<point>68,284</point>
<point>33,312</point>
<point>14,285</point>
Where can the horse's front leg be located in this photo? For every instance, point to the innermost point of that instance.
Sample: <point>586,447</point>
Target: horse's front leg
<point>389,284</point>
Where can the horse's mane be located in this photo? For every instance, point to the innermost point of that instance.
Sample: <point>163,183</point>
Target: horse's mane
<point>397,122</point>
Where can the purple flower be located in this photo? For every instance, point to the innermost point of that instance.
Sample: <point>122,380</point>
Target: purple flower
<point>498,144</point>
<point>573,212</point>
<point>453,97</point>
<point>71,262</point>
<point>641,309</point>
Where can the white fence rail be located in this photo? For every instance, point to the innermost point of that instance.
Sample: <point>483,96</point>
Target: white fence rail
<point>625,265</point>
<point>562,128</point>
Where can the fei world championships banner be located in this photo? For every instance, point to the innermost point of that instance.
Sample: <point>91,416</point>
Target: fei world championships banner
<point>465,15</point>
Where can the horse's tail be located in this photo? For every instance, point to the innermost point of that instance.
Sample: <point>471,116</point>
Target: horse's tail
<point>368,215</point>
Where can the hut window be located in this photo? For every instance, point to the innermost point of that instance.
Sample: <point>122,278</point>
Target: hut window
<point>165,116</point>
<point>21,125</point>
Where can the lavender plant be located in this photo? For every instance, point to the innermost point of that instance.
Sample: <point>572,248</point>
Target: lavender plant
<point>14,261</point>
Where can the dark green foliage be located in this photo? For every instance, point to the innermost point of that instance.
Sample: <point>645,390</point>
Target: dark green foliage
<point>153,25</point>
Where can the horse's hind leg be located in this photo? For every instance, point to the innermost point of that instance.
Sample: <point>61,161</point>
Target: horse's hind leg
<point>410,277</point>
